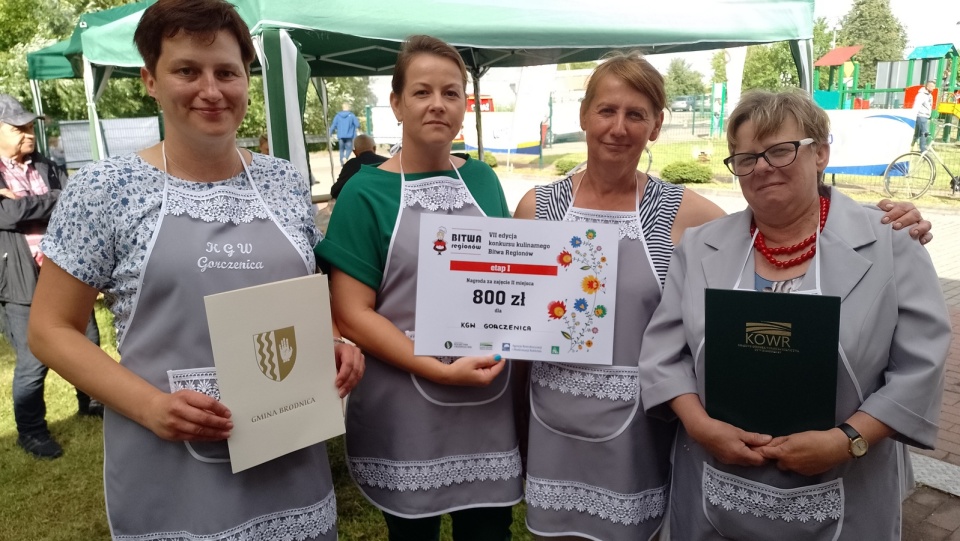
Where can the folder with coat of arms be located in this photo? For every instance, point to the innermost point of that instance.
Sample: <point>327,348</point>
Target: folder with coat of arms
<point>275,366</point>
<point>771,360</point>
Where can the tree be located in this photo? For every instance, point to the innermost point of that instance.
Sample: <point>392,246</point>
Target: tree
<point>822,43</point>
<point>577,66</point>
<point>682,80</point>
<point>54,20</point>
<point>870,23</point>
<point>772,66</point>
<point>718,63</point>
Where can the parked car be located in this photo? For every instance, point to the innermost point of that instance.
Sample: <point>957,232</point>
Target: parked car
<point>682,103</point>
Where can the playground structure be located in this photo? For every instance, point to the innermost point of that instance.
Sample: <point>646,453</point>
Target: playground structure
<point>897,82</point>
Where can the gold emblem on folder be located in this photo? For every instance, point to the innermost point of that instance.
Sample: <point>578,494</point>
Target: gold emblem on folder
<point>276,352</point>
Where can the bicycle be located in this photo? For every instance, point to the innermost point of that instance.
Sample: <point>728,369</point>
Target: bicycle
<point>910,175</point>
<point>646,154</point>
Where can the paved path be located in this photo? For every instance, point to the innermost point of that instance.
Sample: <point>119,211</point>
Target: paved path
<point>932,511</point>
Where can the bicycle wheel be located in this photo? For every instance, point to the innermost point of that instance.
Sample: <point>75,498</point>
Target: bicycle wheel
<point>909,176</point>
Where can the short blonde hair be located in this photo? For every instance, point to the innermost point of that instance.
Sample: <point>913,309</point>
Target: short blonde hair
<point>768,110</point>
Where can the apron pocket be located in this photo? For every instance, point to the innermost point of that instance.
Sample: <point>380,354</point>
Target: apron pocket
<point>740,508</point>
<point>201,380</point>
<point>459,395</point>
<point>584,401</point>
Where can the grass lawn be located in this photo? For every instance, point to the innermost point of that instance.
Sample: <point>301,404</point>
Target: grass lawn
<point>62,500</point>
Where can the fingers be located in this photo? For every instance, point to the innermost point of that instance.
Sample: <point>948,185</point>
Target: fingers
<point>753,439</point>
<point>350,368</point>
<point>922,232</point>
<point>477,371</point>
<point>189,416</point>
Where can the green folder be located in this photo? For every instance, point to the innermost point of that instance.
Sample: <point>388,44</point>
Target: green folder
<point>771,360</point>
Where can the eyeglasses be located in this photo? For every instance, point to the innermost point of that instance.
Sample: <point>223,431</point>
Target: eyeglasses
<point>779,155</point>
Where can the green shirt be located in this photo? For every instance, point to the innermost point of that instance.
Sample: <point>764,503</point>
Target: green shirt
<point>365,215</point>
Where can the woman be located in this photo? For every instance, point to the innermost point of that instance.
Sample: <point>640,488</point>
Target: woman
<point>575,419</point>
<point>799,236</point>
<point>134,226</point>
<point>425,436</point>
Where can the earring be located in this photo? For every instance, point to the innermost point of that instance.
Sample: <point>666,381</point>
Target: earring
<point>399,122</point>
<point>249,101</point>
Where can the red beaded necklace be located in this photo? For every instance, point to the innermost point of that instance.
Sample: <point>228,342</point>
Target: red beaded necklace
<point>760,243</point>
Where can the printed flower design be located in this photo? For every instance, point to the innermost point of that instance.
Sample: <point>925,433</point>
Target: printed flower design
<point>578,323</point>
<point>556,309</point>
<point>590,284</point>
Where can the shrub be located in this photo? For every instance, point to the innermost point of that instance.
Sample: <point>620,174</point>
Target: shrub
<point>488,157</point>
<point>566,163</point>
<point>686,172</point>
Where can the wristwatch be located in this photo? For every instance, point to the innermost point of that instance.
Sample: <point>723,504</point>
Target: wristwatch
<point>858,445</point>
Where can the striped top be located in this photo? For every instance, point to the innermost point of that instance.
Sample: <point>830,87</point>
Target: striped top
<point>658,209</point>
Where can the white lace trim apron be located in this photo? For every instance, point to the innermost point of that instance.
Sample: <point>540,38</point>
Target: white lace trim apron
<point>222,239</point>
<point>586,414</point>
<point>764,503</point>
<point>417,448</point>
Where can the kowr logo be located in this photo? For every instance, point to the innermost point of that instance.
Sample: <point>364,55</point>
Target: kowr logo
<point>769,334</point>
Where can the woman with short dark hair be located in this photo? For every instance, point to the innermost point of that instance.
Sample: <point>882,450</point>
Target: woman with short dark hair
<point>135,227</point>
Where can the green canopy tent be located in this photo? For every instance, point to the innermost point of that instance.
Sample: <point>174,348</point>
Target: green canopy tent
<point>362,37</point>
<point>64,60</point>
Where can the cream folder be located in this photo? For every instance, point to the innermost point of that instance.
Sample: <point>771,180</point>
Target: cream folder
<point>273,349</point>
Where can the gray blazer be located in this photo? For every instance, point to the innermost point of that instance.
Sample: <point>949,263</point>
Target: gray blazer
<point>894,330</point>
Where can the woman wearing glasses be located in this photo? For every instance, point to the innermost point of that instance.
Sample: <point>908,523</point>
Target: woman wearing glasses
<point>797,235</point>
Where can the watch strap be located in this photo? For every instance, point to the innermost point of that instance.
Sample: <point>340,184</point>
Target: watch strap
<point>851,432</point>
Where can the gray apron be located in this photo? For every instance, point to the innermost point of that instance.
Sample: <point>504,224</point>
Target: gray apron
<point>417,448</point>
<point>858,500</point>
<point>162,490</point>
<point>597,467</point>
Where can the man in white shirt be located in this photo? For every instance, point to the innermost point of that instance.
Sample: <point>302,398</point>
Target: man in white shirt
<point>923,105</point>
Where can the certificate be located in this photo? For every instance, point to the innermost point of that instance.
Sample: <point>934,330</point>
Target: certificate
<point>273,349</point>
<point>526,289</point>
<point>771,360</point>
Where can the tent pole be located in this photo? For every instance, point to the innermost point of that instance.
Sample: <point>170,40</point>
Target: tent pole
<point>476,109</point>
<point>97,146</point>
<point>39,128</point>
<point>321,87</point>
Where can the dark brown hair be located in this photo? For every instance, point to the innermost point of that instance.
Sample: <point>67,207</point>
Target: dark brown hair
<point>197,18</point>
<point>421,44</point>
<point>633,69</point>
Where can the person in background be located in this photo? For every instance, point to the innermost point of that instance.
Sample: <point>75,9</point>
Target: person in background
<point>799,236</point>
<point>345,124</point>
<point>923,105</point>
<point>57,154</point>
<point>365,150</point>
<point>140,227</point>
<point>30,186</point>
<point>425,435</point>
<point>264,144</point>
